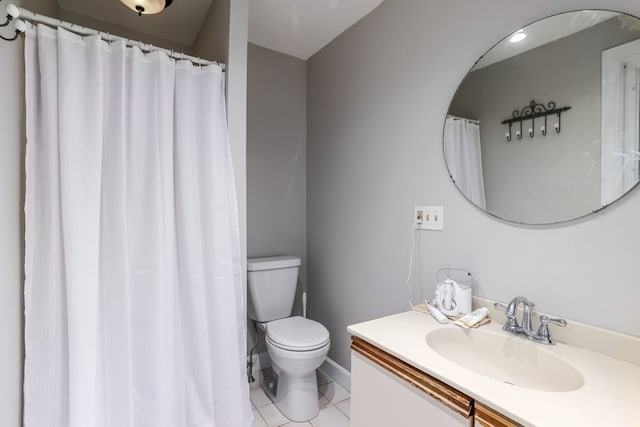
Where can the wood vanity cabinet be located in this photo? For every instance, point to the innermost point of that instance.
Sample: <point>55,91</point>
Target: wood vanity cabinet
<point>388,392</point>
<point>487,417</point>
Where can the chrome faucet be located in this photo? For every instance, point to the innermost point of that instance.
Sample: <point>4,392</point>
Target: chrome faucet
<point>512,326</point>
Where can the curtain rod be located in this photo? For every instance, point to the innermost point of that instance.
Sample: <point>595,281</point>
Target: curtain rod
<point>33,17</point>
<point>477,122</point>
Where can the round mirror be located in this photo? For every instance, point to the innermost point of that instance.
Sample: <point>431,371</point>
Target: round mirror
<point>545,127</point>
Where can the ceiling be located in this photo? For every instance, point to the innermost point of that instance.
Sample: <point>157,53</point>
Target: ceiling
<point>300,28</point>
<point>295,27</point>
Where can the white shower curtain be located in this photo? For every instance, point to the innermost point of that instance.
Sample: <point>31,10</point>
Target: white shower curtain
<point>133,303</point>
<point>464,158</point>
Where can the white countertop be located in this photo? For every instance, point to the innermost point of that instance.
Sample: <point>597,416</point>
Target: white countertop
<point>610,395</point>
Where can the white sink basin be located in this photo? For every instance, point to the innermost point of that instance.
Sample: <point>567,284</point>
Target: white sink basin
<point>505,358</point>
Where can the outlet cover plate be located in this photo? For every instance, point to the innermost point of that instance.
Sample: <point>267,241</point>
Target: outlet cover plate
<point>429,218</point>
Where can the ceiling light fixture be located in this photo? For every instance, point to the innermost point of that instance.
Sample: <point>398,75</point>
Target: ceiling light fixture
<point>518,36</point>
<point>147,7</point>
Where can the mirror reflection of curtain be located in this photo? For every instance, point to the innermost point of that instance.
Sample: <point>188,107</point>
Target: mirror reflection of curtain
<point>620,120</point>
<point>464,157</point>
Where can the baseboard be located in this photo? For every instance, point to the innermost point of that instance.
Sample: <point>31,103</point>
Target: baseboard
<point>337,372</point>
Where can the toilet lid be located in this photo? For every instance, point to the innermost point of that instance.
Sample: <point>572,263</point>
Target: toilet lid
<point>297,333</point>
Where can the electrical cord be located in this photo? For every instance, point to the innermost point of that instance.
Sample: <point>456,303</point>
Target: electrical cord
<point>250,376</point>
<point>413,244</point>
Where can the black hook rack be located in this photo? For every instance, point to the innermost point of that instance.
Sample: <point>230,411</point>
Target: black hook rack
<point>531,112</point>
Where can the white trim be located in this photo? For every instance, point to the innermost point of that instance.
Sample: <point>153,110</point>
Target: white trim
<point>337,373</point>
<point>620,131</point>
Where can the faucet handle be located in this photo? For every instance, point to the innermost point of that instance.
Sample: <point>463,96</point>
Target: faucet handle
<point>511,324</point>
<point>543,331</point>
<point>500,306</point>
<point>546,319</point>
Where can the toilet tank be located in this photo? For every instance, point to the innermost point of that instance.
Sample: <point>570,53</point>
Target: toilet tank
<point>271,286</point>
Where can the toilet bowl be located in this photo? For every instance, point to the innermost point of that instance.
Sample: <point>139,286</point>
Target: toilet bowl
<point>297,346</point>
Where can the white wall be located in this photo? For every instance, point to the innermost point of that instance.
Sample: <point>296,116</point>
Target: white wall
<point>377,98</point>
<point>237,113</point>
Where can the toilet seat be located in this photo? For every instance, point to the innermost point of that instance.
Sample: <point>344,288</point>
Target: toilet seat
<point>297,334</point>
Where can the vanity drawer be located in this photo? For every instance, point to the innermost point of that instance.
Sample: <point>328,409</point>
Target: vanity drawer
<point>387,391</point>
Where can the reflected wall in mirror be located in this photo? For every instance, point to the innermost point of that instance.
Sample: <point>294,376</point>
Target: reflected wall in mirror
<point>573,164</point>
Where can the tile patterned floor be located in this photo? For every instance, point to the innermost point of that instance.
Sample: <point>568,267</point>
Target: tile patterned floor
<point>334,402</point>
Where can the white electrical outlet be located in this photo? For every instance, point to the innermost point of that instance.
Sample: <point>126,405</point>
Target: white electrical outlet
<point>429,217</point>
<point>418,217</point>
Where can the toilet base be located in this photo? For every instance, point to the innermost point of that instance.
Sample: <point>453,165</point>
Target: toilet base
<point>296,387</point>
<point>296,396</point>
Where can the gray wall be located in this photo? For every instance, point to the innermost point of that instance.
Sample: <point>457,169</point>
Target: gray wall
<point>87,21</point>
<point>276,157</point>
<point>377,98</point>
<point>213,39</point>
<point>545,178</point>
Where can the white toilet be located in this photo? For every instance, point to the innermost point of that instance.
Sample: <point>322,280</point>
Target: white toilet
<point>297,346</point>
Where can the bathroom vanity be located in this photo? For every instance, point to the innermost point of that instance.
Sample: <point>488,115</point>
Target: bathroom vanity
<point>409,370</point>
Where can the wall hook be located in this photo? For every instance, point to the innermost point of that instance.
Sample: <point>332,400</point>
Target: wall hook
<point>508,133</point>
<point>519,133</point>
<point>532,111</point>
